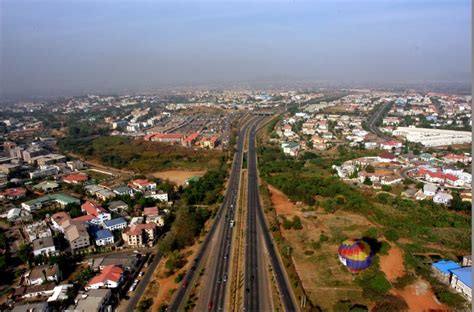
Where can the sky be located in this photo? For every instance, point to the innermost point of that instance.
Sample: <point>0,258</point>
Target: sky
<point>73,47</point>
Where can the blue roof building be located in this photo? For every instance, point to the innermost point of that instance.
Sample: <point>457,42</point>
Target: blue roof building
<point>461,281</point>
<point>115,224</point>
<point>441,269</point>
<point>103,237</point>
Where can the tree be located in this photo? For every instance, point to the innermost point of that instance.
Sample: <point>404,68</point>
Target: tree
<point>370,169</point>
<point>367,181</point>
<point>386,188</point>
<point>25,254</point>
<point>297,223</point>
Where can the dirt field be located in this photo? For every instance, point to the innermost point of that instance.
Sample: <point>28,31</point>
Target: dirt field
<point>392,264</point>
<point>163,285</point>
<point>323,276</point>
<point>420,297</point>
<point>282,205</point>
<point>178,177</point>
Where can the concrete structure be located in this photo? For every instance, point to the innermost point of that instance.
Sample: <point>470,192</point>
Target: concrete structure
<point>39,274</point>
<point>441,269</point>
<point>433,137</point>
<point>76,234</point>
<point>461,281</point>
<point>44,246</point>
<point>94,300</point>
<point>115,224</point>
<point>110,277</point>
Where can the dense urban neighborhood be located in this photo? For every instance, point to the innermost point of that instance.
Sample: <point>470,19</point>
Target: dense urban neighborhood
<point>99,193</point>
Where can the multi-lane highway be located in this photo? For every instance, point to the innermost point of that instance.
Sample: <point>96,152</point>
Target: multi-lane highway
<point>220,237</point>
<point>252,293</point>
<point>215,252</point>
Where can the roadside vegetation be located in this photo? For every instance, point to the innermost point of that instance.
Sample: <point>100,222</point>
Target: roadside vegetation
<point>422,229</point>
<point>140,156</point>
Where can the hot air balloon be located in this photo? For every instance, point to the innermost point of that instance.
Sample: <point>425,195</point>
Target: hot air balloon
<point>355,254</point>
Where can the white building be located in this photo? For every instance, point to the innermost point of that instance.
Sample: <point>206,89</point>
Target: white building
<point>434,137</point>
<point>442,198</point>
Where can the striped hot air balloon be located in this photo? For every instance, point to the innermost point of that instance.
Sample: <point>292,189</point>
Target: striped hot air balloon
<point>355,254</point>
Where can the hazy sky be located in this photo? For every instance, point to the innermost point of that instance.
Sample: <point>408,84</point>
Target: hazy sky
<point>79,46</point>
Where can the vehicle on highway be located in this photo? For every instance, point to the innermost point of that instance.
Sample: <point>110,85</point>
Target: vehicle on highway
<point>141,274</point>
<point>185,284</point>
<point>225,278</point>
<point>209,306</point>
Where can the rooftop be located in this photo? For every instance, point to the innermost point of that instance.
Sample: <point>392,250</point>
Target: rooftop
<point>444,266</point>
<point>464,275</point>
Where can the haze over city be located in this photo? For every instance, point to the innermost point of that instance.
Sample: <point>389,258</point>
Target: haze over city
<point>78,47</point>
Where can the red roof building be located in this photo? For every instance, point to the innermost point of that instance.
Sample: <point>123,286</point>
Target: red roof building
<point>92,209</point>
<point>150,211</point>
<point>110,277</point>
<point>13,193</point>
<point>76,178</point>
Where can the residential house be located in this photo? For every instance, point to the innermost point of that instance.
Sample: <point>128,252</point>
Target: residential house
<point>442,198</point>
<point>291,148</point>
<point>430,189</point>
<point>76,234</point>
<point>123,190</point>
<point>37,230</point>
<point>115,224</point>
<point>76,178</point>
<point>43,273</point>
<point>103,237</point>
<point>96,210</point>
<point>117,206</point>
<point>142,185</point>
<point>140,234</point>
<point>58,219</point>
<point>44,246</point>
<point>110,277</point>
<point>93,300</point>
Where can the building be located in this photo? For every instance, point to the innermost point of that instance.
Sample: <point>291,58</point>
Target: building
<point>140,234</point>
<point>110,277</point>
<point>143,185</point>
<point>441,269</point>
<point>13,193</point>
<point>94,300</point>
<point>390,145</point>
<point>115,224</point>
<point>43,273</point>
<point>160,195</point>
<point>442,198</point>
<point>76,234</point>
<point>128,261</point>
<point>461,281</point>
<point>32,307</point>
<point>76,178</point>
<point>58,219</point>
<point>123,190</point>
<point>117,206</point>
<point>103,237</point>
<point>44,246</point>
<point>96,210</point>
<point>44,171</point>
<point>430,189</point>
<point>37,230</point>
<point>59,199</point>
<point>434,137</point>
<point>290,148</point>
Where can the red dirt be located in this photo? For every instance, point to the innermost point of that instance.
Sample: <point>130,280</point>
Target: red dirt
<point>282,204</point>
<point>420,297</point>
<point>392,264</point>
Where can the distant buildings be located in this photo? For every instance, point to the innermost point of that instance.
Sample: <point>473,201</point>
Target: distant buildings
<point>457,276</point>
<point>433,137</point>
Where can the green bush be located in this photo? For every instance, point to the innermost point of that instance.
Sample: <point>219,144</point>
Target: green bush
<point>374,284</point>
<point>391,234</point>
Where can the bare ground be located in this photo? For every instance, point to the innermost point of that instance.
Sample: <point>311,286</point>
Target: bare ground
<point>178,177</point>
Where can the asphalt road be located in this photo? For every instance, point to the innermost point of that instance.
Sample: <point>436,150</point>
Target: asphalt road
<point>220,235</point>
<point>283,286</point>
<point>137,294</point>
<point>375,117</point>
